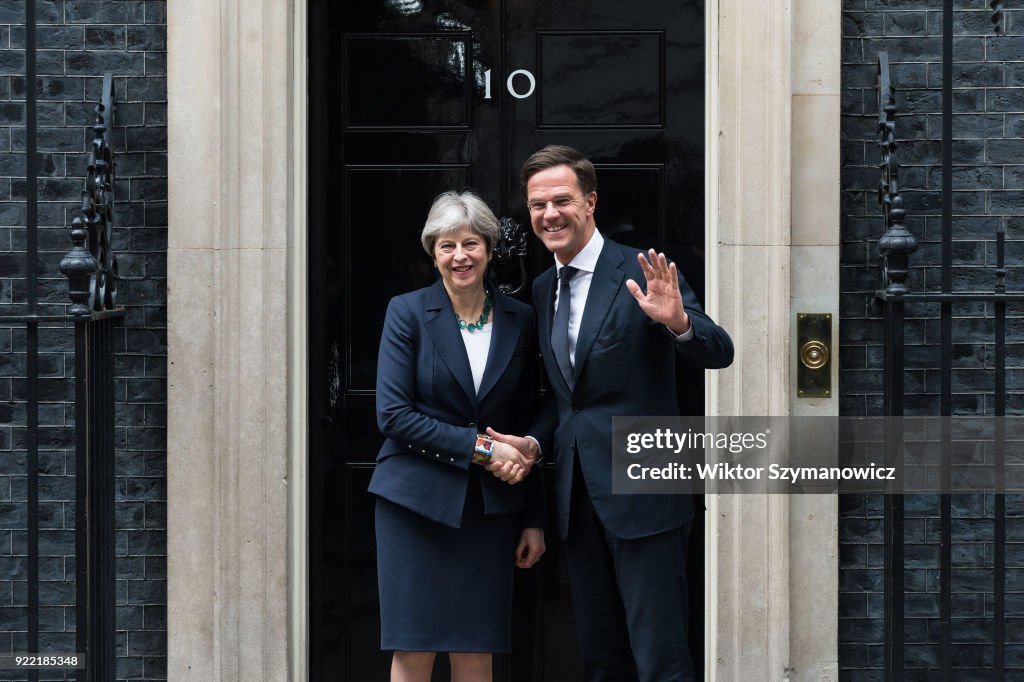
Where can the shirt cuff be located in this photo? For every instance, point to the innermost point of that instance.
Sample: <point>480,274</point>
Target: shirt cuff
<point>685,336</point>
<point>540,452</point>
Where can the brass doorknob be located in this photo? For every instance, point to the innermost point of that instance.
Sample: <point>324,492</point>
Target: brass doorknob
<point>813,355</point>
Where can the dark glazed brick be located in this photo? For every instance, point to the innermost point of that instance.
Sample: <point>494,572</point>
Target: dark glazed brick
<point>77,40</point>
<point>156,64</point>
<point>51,37</point>
<point>902,50</point>
<point>1005,99</point>
<point>13,11</point>
<point>1005,202</point>
<point>904,23</point>
<point>50,88</point>
<point>91,63</point>
<point>975,177</point>
<point>130,114</point>
<point>898,4</point>
<point>141,139</point>
<point>147,38</point>
<point>1015,177</point>
<point>988,179</point>
<point>983,126</point>
<point>147,89</point>
<point>156,115</point>
<point>862,24</point>
<point>978,74</point>
<point>1015,74</point>
<point>12,62</point>
<point>104,11</point>
<point>106,37</point>
<point>156,12</point>
<point>12,113</point>
<point>862,75</point>
<point>856,630</point>
<point>1006,48</point>
<point>976,22</point>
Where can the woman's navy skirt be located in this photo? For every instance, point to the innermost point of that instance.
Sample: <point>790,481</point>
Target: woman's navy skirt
<point>443,588</point>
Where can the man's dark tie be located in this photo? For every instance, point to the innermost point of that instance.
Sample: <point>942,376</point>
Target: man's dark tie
<point>560,327</point>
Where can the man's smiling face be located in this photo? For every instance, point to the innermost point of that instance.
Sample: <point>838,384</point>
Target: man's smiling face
<point>561,215</point>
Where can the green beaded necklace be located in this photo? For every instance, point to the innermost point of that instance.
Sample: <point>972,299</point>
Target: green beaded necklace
<point>479,324</point>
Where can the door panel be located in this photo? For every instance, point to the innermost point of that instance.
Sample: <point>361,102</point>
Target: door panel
<point>576,68</point>
<point>409,98</point>
<point>436,89</point>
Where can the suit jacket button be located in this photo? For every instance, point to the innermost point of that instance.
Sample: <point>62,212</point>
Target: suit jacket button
<point>436,455</point>
<point>472,423</point>
<point>576,410</point>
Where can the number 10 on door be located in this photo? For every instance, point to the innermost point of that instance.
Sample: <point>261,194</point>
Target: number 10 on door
<point>510,83</point>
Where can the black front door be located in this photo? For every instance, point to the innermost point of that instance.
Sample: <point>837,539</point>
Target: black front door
<point>409,98</point>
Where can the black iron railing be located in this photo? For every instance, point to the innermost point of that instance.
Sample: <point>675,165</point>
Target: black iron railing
<point>895,248</point>
<point>92,274</point>
<point>91,269</point>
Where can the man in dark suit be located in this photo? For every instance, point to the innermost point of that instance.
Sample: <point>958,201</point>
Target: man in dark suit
<point>611,324</point>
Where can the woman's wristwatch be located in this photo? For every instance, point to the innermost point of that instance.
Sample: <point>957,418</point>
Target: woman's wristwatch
<point>483,449</point>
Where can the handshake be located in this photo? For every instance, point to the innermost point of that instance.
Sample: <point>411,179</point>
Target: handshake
<point>512,456</point>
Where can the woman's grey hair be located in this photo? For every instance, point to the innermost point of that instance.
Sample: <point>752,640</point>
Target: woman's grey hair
<point>454,210</point>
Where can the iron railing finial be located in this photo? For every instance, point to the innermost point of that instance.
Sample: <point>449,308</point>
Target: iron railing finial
<point>897,243</point>
<point>93,232</point>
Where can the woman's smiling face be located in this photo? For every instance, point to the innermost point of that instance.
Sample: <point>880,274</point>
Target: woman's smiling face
<point>461,257</point>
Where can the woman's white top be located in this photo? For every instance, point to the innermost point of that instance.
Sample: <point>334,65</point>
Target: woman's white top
<point>478,344</point>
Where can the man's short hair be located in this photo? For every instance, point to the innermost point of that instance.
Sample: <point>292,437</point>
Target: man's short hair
<point>559,155</point>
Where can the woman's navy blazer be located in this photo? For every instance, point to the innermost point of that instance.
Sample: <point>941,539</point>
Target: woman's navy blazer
<point>430,414</point>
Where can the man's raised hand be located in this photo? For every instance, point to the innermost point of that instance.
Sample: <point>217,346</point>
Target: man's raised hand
<point>662,301</point>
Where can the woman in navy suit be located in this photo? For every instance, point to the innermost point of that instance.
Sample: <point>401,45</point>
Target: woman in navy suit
<point>456,359</point>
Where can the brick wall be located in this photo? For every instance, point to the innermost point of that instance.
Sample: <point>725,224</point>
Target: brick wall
<point>78,40</point>
<point>988,158</point>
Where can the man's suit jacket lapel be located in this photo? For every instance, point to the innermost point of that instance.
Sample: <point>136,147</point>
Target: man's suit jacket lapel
<point>605,285</point>
<point>444,332</point>
<point>504,339</point>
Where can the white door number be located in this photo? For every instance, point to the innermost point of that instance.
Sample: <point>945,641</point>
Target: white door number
<point>510,84</point>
